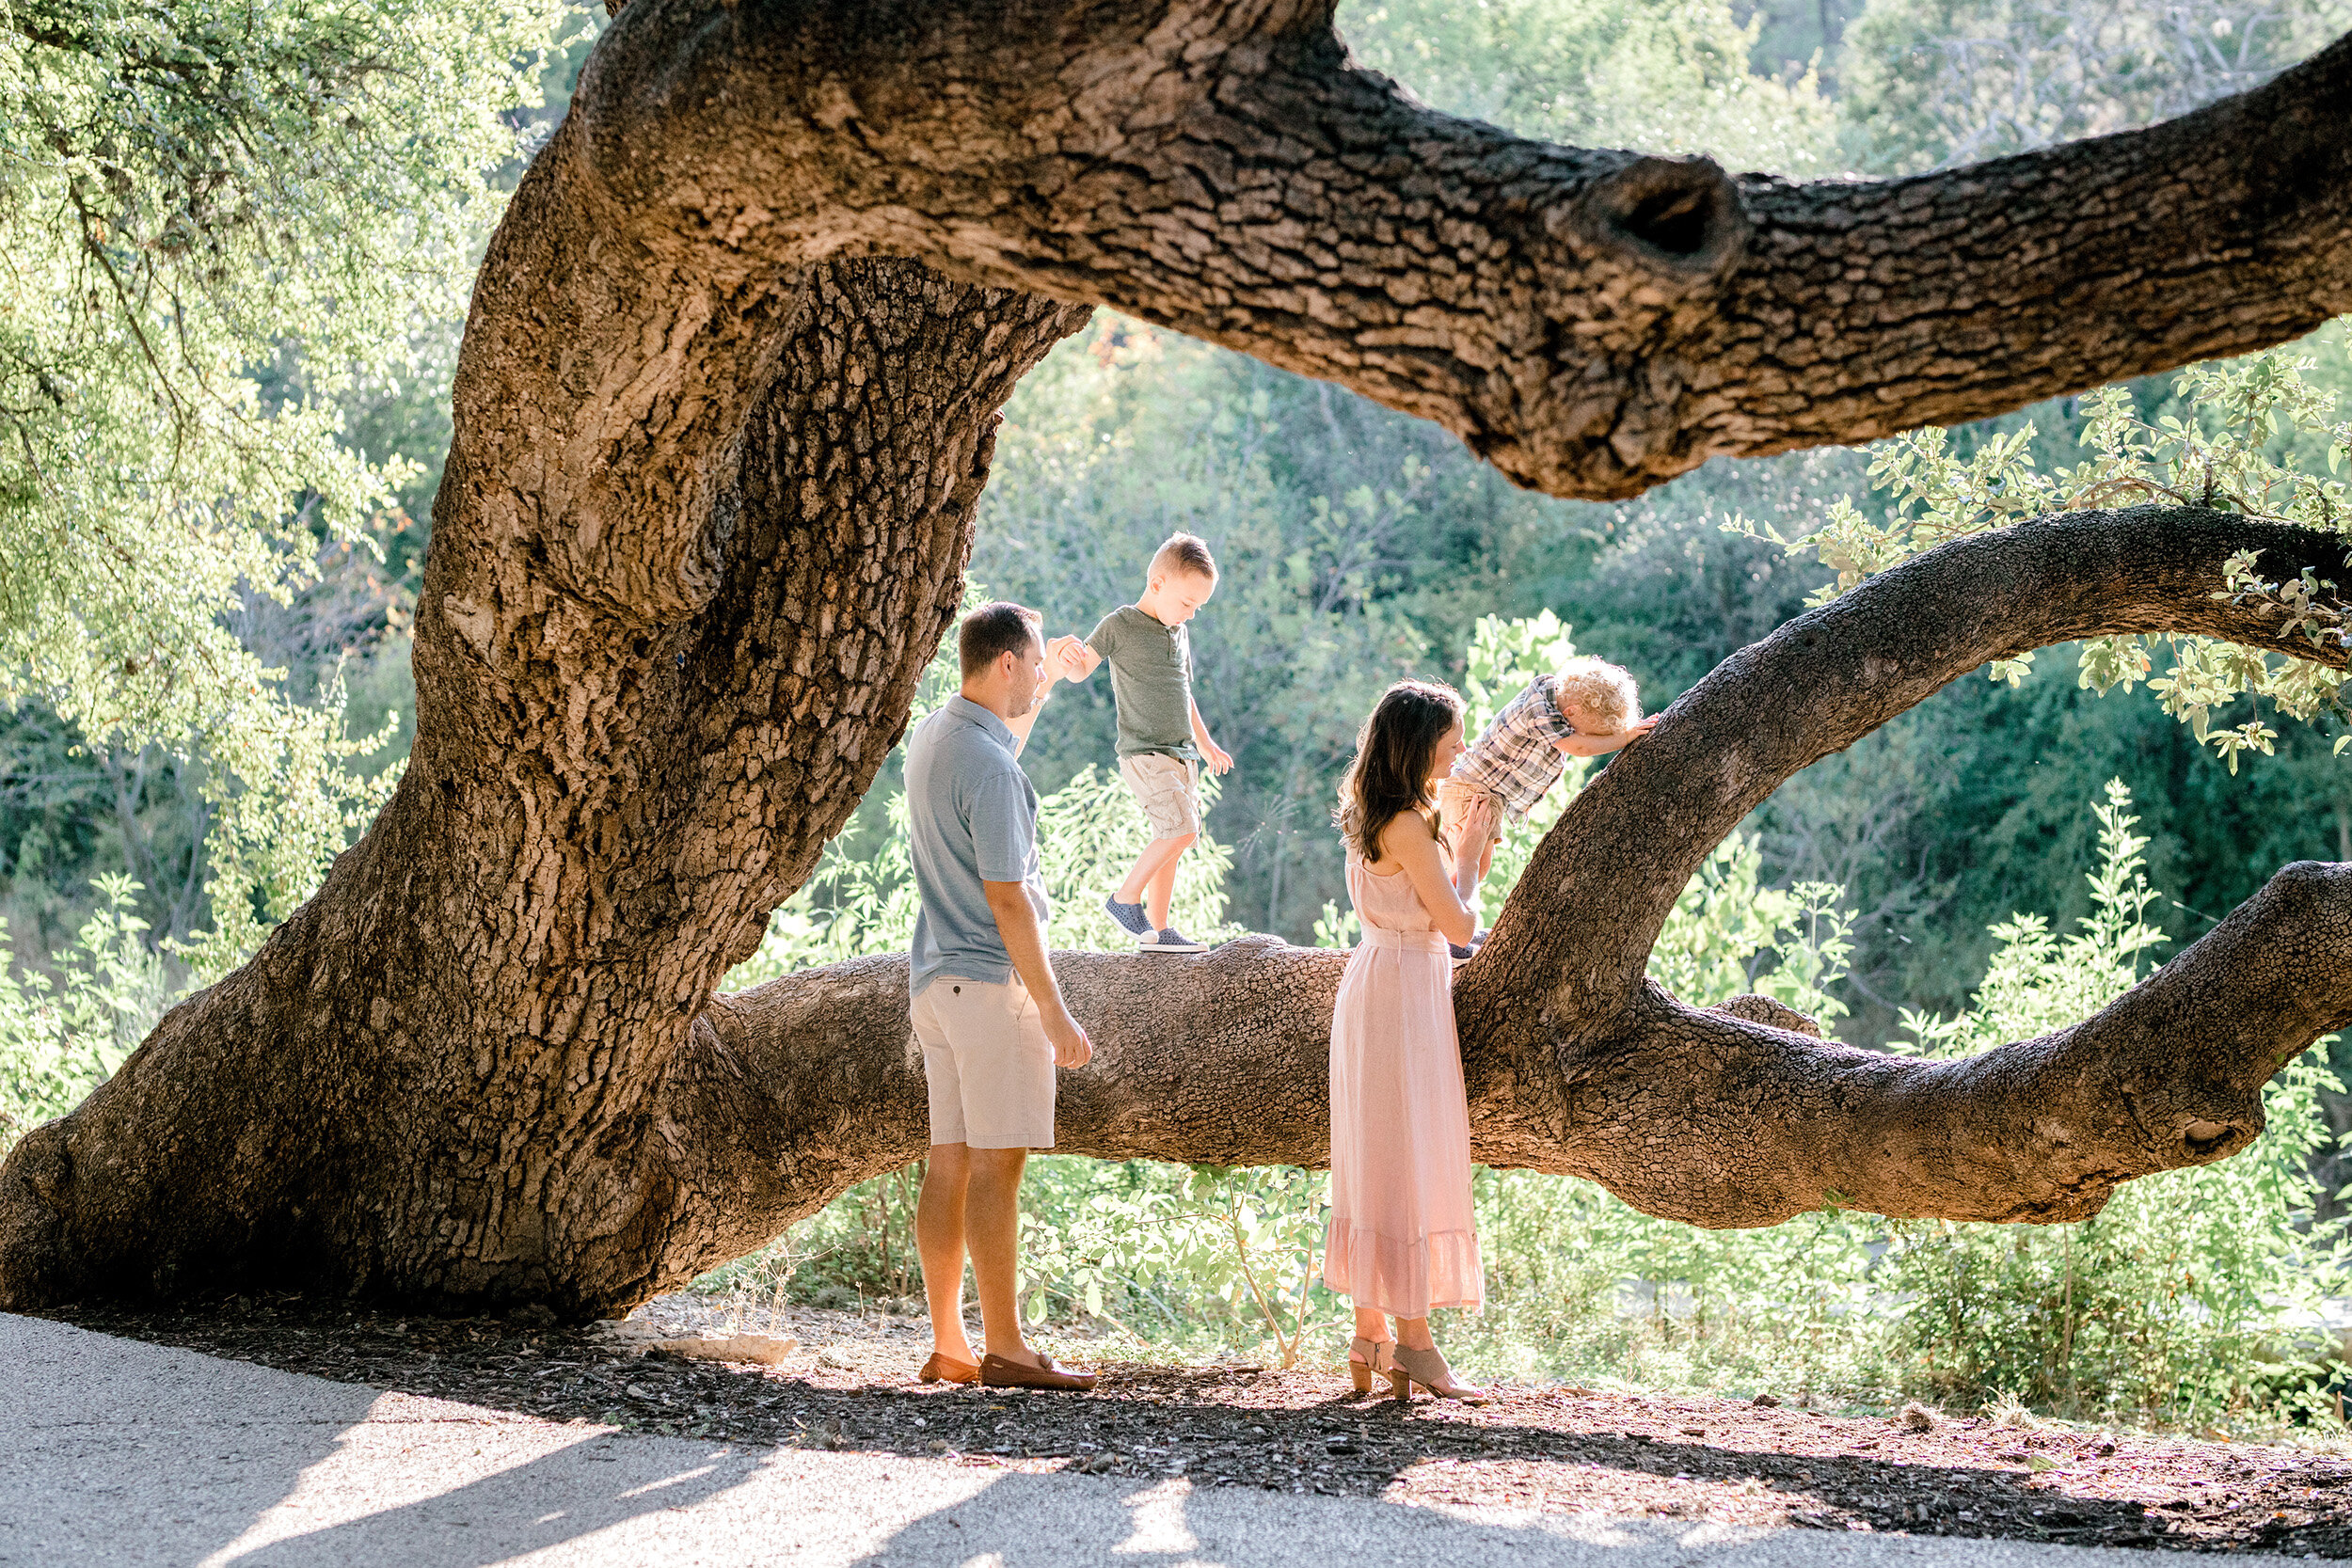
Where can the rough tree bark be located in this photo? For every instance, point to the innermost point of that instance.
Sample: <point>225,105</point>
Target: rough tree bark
<point>723,411</point>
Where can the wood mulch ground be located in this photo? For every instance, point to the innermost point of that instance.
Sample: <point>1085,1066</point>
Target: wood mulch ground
<point>850,1385</point>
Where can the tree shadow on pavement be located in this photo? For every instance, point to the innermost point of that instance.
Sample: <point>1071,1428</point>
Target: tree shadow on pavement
<point>140,1454</point>
<point>1551,1448</point>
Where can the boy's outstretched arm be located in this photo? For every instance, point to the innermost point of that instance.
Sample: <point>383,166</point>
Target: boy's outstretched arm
<point>1601,745</point>
<point>1219,760</point>
<point>1079,661</point>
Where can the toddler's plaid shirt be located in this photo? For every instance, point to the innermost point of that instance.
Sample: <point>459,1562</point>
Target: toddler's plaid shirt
<point>1514,758</point>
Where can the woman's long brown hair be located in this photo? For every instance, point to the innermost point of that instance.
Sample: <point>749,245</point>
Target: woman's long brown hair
<point>1394,751</point>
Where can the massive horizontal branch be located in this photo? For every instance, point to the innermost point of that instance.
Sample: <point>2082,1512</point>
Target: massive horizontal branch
<point>2044,1130</point>
<point>807,1084</point>
<point>1593,322</point>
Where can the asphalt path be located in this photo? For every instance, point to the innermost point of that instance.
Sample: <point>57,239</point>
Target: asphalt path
<point>113,1451</point>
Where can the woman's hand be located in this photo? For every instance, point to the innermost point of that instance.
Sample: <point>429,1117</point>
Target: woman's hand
<point>1472,830</point>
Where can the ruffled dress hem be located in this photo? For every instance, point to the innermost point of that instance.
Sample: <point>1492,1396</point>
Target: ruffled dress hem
<point>1404,1279</point>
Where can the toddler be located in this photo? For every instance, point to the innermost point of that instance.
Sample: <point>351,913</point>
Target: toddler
<point>1590,707</point>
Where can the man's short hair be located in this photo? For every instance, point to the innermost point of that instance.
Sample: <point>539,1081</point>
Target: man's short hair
<point>991,630</point>
<point>1183,552</point>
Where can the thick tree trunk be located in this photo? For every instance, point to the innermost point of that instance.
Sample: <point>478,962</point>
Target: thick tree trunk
<point>722,420</point>
<point>443,1079</point>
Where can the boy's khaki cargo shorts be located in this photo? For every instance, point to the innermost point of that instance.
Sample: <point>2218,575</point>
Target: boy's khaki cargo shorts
<point>1167,788</point>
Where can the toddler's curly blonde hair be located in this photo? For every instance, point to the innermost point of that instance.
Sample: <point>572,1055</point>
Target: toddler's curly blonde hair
<point>1603,690</point>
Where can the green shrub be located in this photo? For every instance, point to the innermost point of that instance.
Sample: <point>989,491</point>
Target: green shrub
<point>2178,1301</point>
<point>59,1040</point>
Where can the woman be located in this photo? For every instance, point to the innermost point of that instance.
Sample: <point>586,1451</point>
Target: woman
<point>1403,1239</point>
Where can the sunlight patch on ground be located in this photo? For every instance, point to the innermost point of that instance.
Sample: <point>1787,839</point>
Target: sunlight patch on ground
<point>322,1498</point>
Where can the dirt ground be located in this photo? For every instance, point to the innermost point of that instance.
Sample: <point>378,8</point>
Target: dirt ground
<point>850,1385</point>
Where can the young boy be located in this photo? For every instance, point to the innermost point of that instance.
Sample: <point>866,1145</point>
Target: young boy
<point>1588,709</point>
<point>1161,737</point>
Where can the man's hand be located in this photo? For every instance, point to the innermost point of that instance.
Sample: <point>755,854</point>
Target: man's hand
<point>1071,1046</point>
<point>1025,944</point>
<point>1220,761</point>
<point>1066,658</point>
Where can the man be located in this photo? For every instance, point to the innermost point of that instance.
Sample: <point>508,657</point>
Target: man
<point>987,1013</point>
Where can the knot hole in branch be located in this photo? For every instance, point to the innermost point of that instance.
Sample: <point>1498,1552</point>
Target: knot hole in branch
<point>2211,1140</point>
<point>1681,216</point>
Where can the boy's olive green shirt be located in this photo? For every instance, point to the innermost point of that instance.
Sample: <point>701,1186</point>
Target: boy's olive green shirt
<point>1151,682</point>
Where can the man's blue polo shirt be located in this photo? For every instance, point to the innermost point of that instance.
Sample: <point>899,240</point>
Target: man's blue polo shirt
<point>971,817</point>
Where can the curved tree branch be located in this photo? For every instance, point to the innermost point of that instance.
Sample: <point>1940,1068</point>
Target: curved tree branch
<point>1592,322</point>
<point>1831,676</point>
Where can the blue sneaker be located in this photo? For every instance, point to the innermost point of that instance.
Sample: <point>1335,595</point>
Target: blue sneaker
<point>1130,917</point>
<point>1169,940</point>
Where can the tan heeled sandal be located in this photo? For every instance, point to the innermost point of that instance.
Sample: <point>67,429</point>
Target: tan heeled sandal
<point>1367,1356</point>
<point>1428,1368</point>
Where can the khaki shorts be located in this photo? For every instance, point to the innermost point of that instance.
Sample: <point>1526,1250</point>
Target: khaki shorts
<point>987,1062</point>
<point>1167,788</point>
<point>1452,795</point>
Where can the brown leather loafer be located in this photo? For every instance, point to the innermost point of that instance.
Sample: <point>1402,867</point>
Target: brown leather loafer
<point>947,1369</point>
<point>997,1373</point>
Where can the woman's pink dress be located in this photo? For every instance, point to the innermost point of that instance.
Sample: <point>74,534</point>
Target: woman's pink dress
<point>1402,1237</point>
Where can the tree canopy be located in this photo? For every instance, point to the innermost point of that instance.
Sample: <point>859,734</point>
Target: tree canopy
<point>216,218</point>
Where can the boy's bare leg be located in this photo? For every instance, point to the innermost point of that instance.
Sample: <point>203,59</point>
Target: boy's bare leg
<point>993,1232</point>
<point>938,1227</point>
<point>1161,890</point>
<point>1157,854</point>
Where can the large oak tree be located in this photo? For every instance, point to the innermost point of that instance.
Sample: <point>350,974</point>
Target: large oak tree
<point>725,406</point>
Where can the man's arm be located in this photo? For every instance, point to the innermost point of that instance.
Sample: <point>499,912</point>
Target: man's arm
<point>1220,761</point>
<point>1057,668</point>
<point>1024,943</point>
